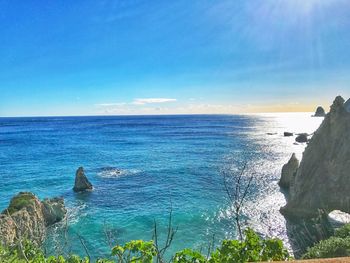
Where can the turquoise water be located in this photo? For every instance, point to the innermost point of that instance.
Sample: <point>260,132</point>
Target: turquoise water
<point>165,162</point>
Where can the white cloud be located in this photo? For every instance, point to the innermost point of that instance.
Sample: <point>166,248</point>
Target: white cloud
<point>110,104</point>
<point>152,100</point>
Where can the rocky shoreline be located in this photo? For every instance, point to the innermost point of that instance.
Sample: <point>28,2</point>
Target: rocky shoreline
<point>27,217</point>
<point>321,182</point>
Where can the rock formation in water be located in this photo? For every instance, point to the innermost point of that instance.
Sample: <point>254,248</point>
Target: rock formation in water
<point>322,180</point>
<point>27,218</point>
<point>319,112</point>
<point>287,134</point>
<point>302,138</point>
<point>288,172</point>
<point>81,181</point>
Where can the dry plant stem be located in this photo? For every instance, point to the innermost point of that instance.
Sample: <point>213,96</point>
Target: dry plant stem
<point>84,246</point>
<point>170,236</point>
<point>237,194</point>
<point>107,235</point>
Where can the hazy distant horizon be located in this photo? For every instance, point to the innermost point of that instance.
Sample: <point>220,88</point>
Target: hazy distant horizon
<point>155,115</point>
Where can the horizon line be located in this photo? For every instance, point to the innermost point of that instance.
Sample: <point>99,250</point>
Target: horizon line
<point>140,115</point>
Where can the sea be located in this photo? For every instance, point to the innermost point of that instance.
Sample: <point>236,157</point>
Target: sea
<point>152,170</point>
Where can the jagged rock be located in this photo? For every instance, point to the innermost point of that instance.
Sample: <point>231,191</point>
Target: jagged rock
<point>301,137</point>
<point>7,230</point>
<point>53,210</point>
<point>319,112</point>
<point>288,172</point>
<point>322,180</point>
<point>27,217</point>
<point>81,181</point>
<point>287,134</point>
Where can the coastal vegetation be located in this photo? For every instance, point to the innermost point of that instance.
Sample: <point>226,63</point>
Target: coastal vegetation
<point>335,246</point>
<point>251,249</point>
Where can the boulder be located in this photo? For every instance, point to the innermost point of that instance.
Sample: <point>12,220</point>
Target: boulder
<point>53,210</point>
<point>81,181</point>
<point>322,181</point>
<point>301,138</point>
<point>27,217</point>
<point>288,172</point>
<point>288,134</point>
<point>319,112</point>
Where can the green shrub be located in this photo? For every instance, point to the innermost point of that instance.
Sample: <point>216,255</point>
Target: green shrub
<point>19,201</point>
<point>252,248</point>
<point>137,251</point>
<point>343,231</point>
<point>189,256</point>
<point>329,248</point>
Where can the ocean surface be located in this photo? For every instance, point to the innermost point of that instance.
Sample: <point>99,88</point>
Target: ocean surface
<point>143,167</point>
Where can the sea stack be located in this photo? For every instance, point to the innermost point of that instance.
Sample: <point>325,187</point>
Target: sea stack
<point>319,112</point>
<point>288,172</point>
<point>322,181</point>
<point>27,217</point>
<point>81,182</point>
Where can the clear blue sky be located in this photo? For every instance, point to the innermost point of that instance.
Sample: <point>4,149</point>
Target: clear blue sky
<point>148,57</point>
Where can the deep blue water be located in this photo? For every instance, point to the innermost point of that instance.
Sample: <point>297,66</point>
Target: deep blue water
<point>165,161</point>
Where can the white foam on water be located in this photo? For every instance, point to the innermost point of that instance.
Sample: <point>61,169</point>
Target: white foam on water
<point>111,172</point>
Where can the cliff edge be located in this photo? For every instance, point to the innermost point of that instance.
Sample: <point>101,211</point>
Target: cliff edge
<point>27,218</point>
<point>322,180</point>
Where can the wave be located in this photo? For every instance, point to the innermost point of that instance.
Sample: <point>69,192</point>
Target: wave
<point>113,172</point>
<point>75,211</point>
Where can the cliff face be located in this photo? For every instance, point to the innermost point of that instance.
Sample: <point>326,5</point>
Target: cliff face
<point>28,217</point>
<point>322,180</point>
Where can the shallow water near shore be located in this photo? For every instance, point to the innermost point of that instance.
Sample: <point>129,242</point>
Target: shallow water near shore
<point>144,166</point>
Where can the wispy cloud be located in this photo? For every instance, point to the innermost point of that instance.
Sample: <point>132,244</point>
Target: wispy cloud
<point>152,101</point>
<point>110,104</point>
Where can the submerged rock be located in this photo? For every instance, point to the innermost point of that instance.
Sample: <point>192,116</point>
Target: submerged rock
<point>322,180</point>
<point>81,181</point>
<point>27,217</point>
<point>319,112</point>
<point>288,134</point>
<point>288,172</point>
<point>301,138</point>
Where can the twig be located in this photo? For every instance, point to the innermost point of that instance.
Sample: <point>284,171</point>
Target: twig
<point>84,246</point>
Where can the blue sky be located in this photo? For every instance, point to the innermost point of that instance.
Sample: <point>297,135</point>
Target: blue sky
<point>167,57</point>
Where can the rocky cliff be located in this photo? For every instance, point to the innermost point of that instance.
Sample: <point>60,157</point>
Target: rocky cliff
<point>322,180</point>
<point>28,217</point>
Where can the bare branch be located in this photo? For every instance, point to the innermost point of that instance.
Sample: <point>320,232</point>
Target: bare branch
<point>237,193</point>
<point>84,246</point>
